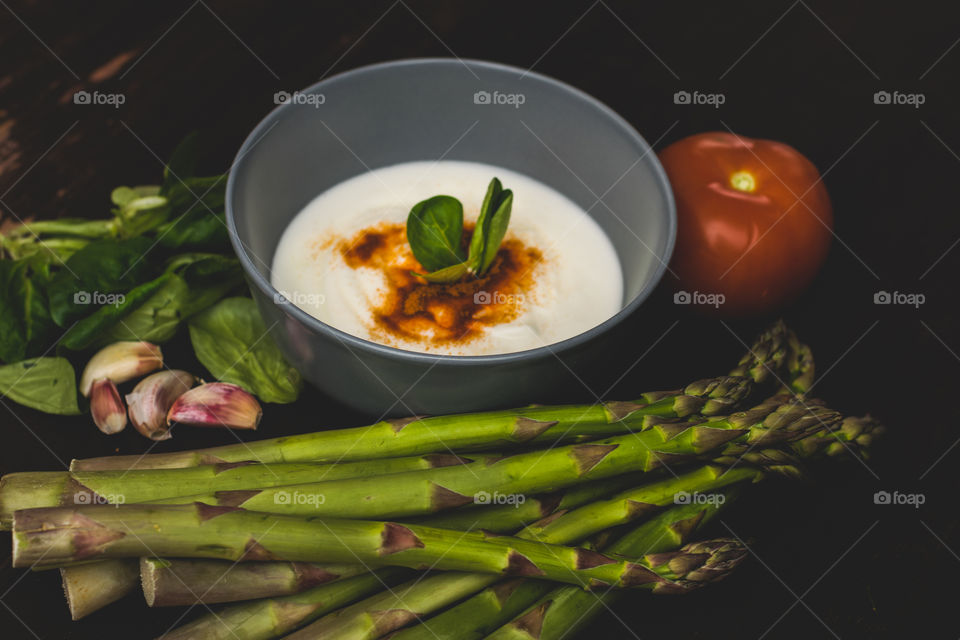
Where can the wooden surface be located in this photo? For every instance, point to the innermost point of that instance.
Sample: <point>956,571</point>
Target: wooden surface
<point>827,561</point>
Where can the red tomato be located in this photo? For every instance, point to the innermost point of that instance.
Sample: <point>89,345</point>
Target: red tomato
<point>754,220</point>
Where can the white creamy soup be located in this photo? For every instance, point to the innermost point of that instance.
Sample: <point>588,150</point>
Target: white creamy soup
<point>345,260</point>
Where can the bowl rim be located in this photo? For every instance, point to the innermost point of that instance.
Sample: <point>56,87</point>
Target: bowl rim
<point>351,341</point>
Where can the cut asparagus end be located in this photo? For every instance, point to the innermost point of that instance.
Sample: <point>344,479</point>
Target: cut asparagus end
<point>89,587</point>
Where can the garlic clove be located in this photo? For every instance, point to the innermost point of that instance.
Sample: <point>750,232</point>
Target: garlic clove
<point>216,404</point>
<point>106,407</point>
<point>152,398</point>
<point>119,362</point>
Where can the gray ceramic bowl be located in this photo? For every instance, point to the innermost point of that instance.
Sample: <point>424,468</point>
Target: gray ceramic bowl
<point>427,109</point>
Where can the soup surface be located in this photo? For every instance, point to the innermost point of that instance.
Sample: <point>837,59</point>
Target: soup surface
<point>345,260</point>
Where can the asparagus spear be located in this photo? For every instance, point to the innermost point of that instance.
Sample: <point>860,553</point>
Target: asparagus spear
<point>63,488</point>
<point>187,581</point>
<point>442,434</point>
<point>420,492</point>
<point>497,605</point>
<point>63,534</point>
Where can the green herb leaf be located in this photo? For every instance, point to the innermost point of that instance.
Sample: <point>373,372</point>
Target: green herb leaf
<point>479,238</point>
<point>102,267</point>
<point>496,229</point>
<point>46,384</point>
<point>434,231</point>
<point>87,331</point>
<point>154,310</point>
<point>491,227</point>
<point>25,324</point>
<point>230,339</point>
<point>448,274</point>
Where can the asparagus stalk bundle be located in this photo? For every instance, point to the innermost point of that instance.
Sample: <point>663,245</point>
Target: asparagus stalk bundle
<point>34,490</point>
<point>422,597</point>
<point>279,502</point>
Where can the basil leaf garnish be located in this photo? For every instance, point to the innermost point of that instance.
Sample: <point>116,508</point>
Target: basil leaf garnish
<point>434,230</point>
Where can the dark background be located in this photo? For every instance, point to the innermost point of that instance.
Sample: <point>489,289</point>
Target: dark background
<point>827,561</point>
